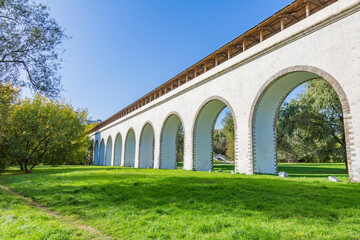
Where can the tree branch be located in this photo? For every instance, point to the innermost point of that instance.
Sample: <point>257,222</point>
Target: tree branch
<point>44,139</point>
<point>12,19</point>
<point>331,132</point>
<point>25,66</point>
<point>38,159</point>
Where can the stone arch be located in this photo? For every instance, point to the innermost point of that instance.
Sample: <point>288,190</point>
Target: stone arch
<point>102,153</point>
<point>146,147</point>
<point>117,150</point>
<point>108,153</point>
<point>130,145</point>
<point>96,153</point>
<point>203,129</point>
<point>168,140</point>
<point>264,112</point>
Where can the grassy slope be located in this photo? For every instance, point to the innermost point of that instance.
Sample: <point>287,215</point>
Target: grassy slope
<point>163,204</point>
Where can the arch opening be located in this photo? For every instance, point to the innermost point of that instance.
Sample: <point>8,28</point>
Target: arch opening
<point>108,152</point>
<point>171,142</point>
<point>96,153</point>
<point>266,112</point>
<point>117,150</point>
<point>102,153</point>
<point>146,151</point>
<point>224,142</point>
<point>129,160</point>
<point>203,135</point>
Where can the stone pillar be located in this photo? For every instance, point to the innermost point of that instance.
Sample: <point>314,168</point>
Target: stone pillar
<point>157,137</point>
<point>137,150</point>
<point>123,151</point>
<point>113,151</point>
<point>188,147</point>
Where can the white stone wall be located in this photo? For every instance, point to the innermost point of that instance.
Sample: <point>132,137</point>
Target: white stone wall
<point>327,43</point>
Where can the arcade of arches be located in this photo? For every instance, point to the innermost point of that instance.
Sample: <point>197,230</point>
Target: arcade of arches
<point>251,75</point>
<point>263,134</point>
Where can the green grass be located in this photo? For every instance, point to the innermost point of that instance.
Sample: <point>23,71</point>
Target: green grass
<point>128,203</point>
<point>18,220</point>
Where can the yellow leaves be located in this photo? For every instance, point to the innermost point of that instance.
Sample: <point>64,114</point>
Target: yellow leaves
<point>52,130</point>
<point>8,93</point>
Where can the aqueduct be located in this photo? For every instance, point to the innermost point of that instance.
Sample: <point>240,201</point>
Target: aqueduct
<point>252,75</point>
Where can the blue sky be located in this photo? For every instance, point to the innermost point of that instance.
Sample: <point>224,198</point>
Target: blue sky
<point>120,50</point>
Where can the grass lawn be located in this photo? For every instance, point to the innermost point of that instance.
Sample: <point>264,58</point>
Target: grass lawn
<point>18,220</point>
<point>128,203</point>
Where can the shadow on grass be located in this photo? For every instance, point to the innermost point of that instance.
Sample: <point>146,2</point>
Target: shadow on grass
<point>14,170</point>
<point>307,170</point>
<point>303,170</point>
<point>223,166</point>
<point>165,192</point>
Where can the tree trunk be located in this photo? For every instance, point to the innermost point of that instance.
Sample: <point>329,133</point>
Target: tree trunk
<point>21,167</point>
<point>32,167</point>
<point>347,167</point>
<point>343,145</point>
<point>26,168</point>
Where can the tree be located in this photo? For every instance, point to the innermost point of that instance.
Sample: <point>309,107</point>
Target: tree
<point>311,127</point>
<point>180,145</point>
<point>46,131</point>
<point>229,132</point>
<point>219,142</point>
<point>84,151</point>
<point>9,96</point>
<point>30,43</point>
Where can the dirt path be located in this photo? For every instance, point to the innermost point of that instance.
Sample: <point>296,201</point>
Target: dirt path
<point>54,214</point>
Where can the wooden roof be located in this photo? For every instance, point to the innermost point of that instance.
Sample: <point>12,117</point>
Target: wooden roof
<point>291,14</point>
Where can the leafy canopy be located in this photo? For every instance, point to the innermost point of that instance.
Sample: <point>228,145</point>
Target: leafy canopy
<point>46,131</point>
<point>310,127</point>
<point>229,132</point>
<point>223,140</point>
<point>30,43</point>
<point>9,96</point>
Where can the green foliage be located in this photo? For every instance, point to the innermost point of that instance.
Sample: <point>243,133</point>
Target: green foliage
<point>180,145</point>
<point>128,203</point>
<point>30,43</point>
<point>223,140</point>
<point>46,131</point>
<point>8,98</point>
<point>219,142</point>
<point>229,132</point>
<point>310,127</point>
